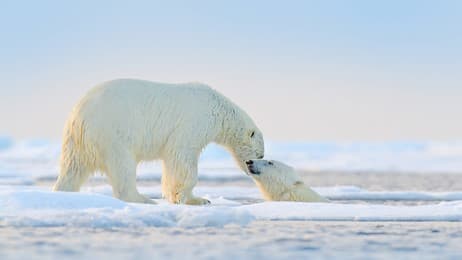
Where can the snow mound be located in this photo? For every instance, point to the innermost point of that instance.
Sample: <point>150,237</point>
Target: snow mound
<point>30,199</point>
<point>39,208</point>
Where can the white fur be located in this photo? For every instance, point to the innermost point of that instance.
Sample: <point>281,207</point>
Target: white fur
<point>123,122</point>
<point>278,181</point>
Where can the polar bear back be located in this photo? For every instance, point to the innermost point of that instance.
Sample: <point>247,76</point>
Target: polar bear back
<point>122,111</point>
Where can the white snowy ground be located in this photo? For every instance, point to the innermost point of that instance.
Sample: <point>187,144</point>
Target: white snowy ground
<point>95,207</point>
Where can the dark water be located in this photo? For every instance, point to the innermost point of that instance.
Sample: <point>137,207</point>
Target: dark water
<point>261,240</point>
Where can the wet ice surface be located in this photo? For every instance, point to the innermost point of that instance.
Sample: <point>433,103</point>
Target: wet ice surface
<point>268,239</point>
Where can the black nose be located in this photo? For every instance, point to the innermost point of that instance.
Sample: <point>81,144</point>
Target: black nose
<point>249,162</point>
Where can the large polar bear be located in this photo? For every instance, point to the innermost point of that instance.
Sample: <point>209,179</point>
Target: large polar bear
<point>278,181</point>
<point>123,122</point>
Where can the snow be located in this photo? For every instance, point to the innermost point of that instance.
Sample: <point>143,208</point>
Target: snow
<point>356,193</point>
<point>38,207</point>
<point>29,207</point>
<point>444,211</point>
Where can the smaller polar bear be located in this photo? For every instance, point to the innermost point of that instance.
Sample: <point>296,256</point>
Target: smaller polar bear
<point>278,181</point>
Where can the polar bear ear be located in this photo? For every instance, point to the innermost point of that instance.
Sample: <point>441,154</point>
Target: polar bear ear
<point>298,183</point>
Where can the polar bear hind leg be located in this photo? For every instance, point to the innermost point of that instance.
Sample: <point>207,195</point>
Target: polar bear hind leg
<point>74,171</point>
<point>179,176</point>
<point>121,172</point>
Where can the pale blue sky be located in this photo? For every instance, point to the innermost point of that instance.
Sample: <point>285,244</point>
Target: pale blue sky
<point>304,70</point>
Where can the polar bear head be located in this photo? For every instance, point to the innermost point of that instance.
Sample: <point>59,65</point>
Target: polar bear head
<point>245,142</point>
<point>278,181</point>
<point>274,179</point>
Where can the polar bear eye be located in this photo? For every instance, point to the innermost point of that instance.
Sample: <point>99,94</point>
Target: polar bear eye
<point>252,134</point>
<point>270,162</point>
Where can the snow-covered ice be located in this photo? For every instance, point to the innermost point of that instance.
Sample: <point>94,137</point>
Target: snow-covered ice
<point>30,206</point>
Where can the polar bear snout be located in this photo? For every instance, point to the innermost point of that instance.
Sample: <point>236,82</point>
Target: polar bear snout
<point>251,167</point>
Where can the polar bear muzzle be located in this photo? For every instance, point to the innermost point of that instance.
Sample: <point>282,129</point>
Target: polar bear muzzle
<point>252,168</point>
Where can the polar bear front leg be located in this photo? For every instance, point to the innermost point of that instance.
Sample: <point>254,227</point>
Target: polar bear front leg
<point>121,172</point>
<point>179,176</point>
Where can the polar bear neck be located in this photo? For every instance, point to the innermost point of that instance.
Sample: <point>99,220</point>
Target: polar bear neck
<point>230,117</point>
<point>304,194</point>
<point>298,192</point>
